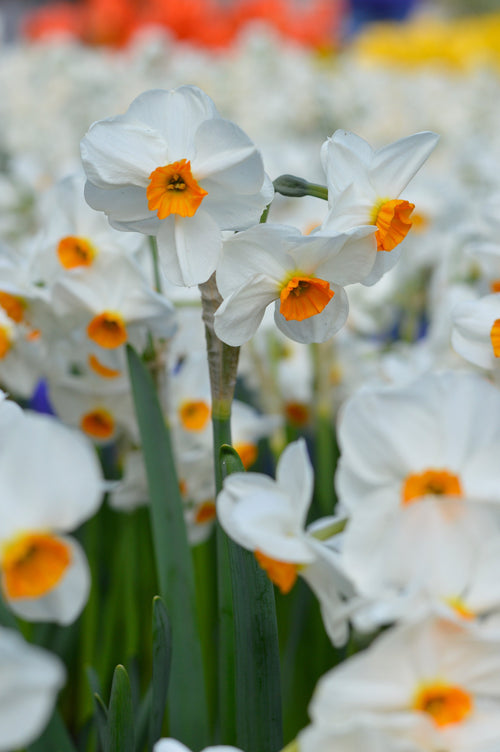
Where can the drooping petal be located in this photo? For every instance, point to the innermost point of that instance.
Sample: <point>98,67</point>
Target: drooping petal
<point>238,317</point>
<point>189,248</point>
<point>294,474</point>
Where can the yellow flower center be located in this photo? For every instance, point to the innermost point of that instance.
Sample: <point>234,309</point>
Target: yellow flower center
<point>393,222</point>
<point>107,330</point>
<point>248,453</point>
<point>460,608</point>
<point>102,370</point>
<point>445,703</point>
<point>302,297</point>
<point>172,189</point>
<point>297,413</point>
<point>98,423</point>
<point>13,306</point>
<point>33,564</point>
<point>495,338</point>
<point>73,251</point>
<point>194,415</point>
<point>495,285</point>
<point>282,573</point>
<point>433,482</point>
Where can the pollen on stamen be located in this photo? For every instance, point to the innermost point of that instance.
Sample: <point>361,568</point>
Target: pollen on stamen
<point>194,415</point>
<point>430,482</point>
<point>107,330</point>
<point>172,189</point>
<point>302,297</point>
<point>495,338</point>
<point>73,251</point>
<point>98,424</point>
<point>446,704</point>
<point>393,222</point>
<point>281,573</point>
<point>33,564</point>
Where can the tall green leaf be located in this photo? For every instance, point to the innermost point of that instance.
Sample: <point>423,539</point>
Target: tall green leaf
<point>162,659</point>
<point>187,706</point>
<point>120,732</point>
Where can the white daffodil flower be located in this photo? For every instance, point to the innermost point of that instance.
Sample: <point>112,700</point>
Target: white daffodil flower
<point>433,684</point>
<point>50,482</point>
<point>173,168</point>
<point>364,188</point>
<point>172,745</point>
<point>268,517</point>
<point>304,276</point>
<point>30,679</point>
<point>437,436</point>
<point>476,331</point>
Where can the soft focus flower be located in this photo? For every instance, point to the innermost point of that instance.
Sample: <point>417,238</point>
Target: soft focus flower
<point>29,681</point>
<point>268,517</point>
<point>305,276</point>
<point>172,745</point>
<point>173,168</point>
<point>50,483</point>
<point>476,330</point>
<point>434,684</point>
<point>364,187</point>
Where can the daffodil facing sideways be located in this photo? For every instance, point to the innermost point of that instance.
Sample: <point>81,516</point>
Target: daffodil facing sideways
<point>30,679</point>
<point>50,482</point>
<point>364,186</point>
<point>268,517</point>
<point>173,168</point>
<point>303,275</point>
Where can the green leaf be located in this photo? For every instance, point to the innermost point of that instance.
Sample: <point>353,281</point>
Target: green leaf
<point>257,663</point>
<point>120,729</point>
<point>173,563</point>
<point>55,738</point>
<point>143,720</point>
<point>101,720</point>
<point>162,658</point>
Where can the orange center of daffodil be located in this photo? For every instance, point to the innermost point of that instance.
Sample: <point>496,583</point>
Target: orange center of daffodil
<point>393,221</point>
<point>13,306</point>
<point>5,341</point>
<point>73,251</point>
<point>205,512</point>
<point>282,573</point>
<point>248,453</point>
<point>33,563</point>
<point>107,330</point>
<point>172,189</point>
<point>297,413</point>
<point>302,297</point>
<point>102,370</point>
<point>98,423</point>
<point>430,482</point>
<point>495,338</point>
<point>495,285</point>
<point>445,703</point>
<point>194,415</point>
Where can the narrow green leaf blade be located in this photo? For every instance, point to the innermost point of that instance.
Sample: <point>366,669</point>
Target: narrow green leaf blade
<point>120,736</point>
<point>173,562</point>
<point>101,720</point>
<point>258,684</point>
<point>162,659</point>
<point>55,737</point>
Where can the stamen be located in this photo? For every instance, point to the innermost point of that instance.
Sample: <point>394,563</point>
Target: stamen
<point>99,424</point>
<point>172,189</point>
<point>303,297</point>
<point>282,573</point>
<point>393,221</point>
<point>194,415</point>
<point>495,338</point>
<point>33,564</point>
<point>73,252</point>
<point>430,482</point>
<point>446,704</point>
<point>107,330</point>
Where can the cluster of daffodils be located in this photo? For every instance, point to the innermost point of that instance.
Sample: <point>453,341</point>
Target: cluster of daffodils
<point>419,552</point>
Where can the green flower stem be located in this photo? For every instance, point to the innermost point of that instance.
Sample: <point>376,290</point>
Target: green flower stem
<point>156,263</point>
<point>223,365</point>
<point>325,448</point>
